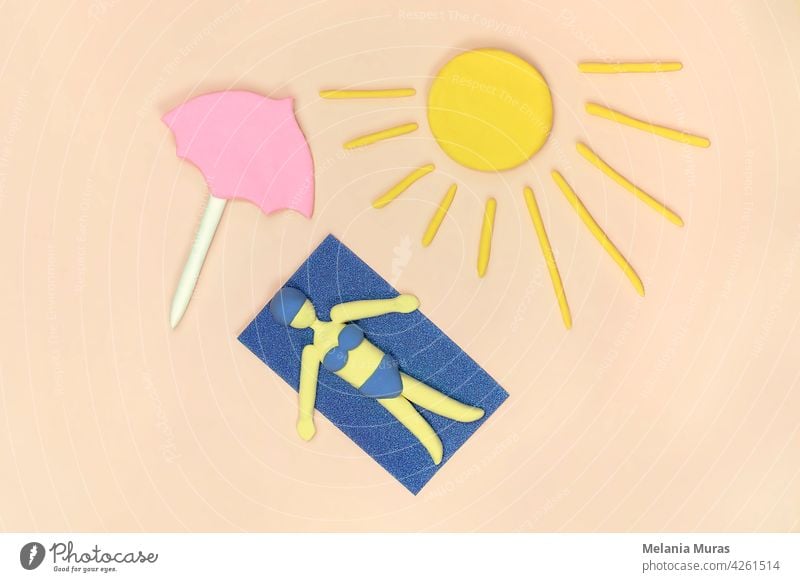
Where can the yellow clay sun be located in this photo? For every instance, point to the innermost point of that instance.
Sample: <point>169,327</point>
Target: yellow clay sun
<point>490,110</point>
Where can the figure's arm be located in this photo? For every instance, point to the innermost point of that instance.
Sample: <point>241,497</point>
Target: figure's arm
<point>309,370</point>
<point>373,307</point>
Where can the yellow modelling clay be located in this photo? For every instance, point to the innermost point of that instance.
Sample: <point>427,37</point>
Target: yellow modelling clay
<point>549,258</point>
<point>629,67</point>
<point>408,416</point>
<point>485,248</point>
<point>362,363</point>
<point>435,401</point>
<point>353,310</point>
<point>381,135</point>
<point>598,162</point>
<point>438,217</point>
<point>490,110</point>
<point>673,134</point>
<point>308,392</point>
<point>367,93</point>
<point>598,233</point>
<point>342,348</point>
<point>402,185</point>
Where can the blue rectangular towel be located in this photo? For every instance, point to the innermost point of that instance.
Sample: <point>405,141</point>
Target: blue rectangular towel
<point>334,274</point>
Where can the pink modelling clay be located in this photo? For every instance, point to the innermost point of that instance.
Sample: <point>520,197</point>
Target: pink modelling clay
<point>248,147</point>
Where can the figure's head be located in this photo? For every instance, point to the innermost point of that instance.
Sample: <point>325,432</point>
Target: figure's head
<point>291,307</point>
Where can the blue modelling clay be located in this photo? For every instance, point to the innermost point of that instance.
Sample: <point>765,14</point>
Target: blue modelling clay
<point>350,337</point>
<point>331,275</point>
<point>285,305</point>
<point>385,382</point>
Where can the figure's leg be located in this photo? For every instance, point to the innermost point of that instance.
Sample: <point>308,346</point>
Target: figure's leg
<point>438,403</point>
<point>408,416</point>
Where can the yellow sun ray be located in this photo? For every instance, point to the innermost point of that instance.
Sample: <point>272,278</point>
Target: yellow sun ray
<point>598,162</point>
<point>673,134</point>
<point>519,115</point>
<point>485,247</point>
<point>438,216</point>
<point>402,185</point>
<point>611,68</point>
<point>594,228</point>
<point>381,135</point>
<point>549,257</point>
<point>367,93</point>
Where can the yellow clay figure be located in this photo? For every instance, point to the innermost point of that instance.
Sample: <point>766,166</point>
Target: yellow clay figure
<point>341,347</point>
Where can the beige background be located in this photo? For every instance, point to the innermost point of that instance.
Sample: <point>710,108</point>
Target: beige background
<point>675,412</point>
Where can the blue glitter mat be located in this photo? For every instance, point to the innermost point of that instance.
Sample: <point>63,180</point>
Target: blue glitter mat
<point>334,274</point>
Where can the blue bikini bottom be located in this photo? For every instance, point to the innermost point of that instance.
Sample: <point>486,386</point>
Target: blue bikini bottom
<point>385,381</point>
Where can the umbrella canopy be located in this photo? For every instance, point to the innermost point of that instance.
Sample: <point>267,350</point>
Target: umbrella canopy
<point>248,147</point>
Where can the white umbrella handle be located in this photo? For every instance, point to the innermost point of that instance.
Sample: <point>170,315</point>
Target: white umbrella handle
<point>205,234</point>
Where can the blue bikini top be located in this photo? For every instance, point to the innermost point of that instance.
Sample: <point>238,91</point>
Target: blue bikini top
<point>350,338</point>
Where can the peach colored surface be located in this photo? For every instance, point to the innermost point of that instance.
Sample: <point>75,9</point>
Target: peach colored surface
<point>678,411</point>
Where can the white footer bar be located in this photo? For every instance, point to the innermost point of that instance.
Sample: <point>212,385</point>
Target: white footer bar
<point>400,557</point>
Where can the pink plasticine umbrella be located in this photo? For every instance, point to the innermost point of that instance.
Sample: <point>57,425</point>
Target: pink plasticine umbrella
<point>249,147</point>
